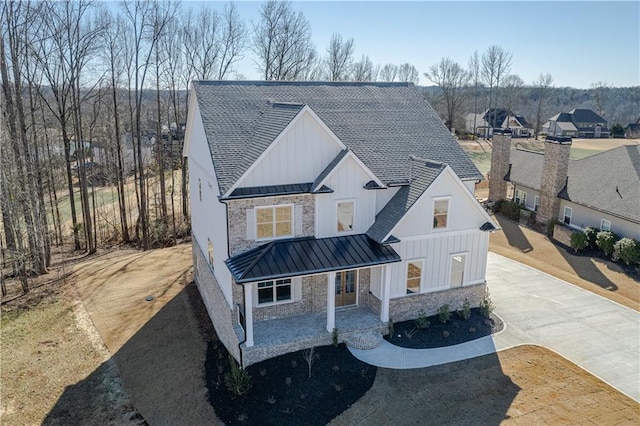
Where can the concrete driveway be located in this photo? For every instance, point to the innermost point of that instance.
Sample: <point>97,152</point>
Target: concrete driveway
<point>597,334</point>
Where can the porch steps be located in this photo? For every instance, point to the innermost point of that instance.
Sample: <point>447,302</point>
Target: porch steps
<point>365,340</point>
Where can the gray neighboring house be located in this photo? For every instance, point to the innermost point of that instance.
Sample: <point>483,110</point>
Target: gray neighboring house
<point>322,206</point>
<point>578,123</point>
<point>601,191</point>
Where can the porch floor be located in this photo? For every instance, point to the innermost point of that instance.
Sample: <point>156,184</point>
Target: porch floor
<point>312,326</point>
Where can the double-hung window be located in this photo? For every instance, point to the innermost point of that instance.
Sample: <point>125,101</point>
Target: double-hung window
<point>345,211</point>
<point>414,276</point>
<point>568,212</point>
<point>274,291</point>
<point>440,213</point>
<point>274,222</point>
<point>536,203</point>
<point>521,197</point>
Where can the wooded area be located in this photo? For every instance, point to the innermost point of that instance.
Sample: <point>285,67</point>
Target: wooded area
<point>94,104</point>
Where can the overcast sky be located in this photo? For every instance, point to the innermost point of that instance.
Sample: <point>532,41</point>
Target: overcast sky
<point>578,42</point>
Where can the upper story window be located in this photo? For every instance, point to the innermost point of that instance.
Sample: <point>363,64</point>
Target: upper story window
<point>274,222</point>
<point>345,211</point>
<point>440,213</point>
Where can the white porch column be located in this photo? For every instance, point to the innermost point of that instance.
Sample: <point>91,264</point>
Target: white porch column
<point>248,314</point>
<point>386,292</point>
<point>331,301</point>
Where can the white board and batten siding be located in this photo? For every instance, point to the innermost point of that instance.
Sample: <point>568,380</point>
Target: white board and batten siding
<point>299,156</point>
<point>208,216</point>
<point>347,182</point>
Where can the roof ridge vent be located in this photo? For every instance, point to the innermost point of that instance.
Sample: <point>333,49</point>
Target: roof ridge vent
<point>426,161</point>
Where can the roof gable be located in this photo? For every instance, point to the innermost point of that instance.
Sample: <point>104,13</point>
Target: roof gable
<point>383,123</point>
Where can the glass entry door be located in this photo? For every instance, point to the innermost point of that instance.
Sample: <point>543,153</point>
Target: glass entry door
<point>346,288</point>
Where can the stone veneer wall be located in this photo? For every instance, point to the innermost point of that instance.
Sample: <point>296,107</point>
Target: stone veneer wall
<point>408,307</point>
<point>366,298</point>
<point>500,154</point>
<point>314,300</point>
<point>562,234</point>
<point>237,214</point>
<point>555,167</point>
<point>221,315</point>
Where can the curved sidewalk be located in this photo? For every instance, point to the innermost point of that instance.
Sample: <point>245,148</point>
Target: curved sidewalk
<point>595,333</point>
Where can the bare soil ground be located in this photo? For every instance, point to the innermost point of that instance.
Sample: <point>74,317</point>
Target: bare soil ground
<point>54,370</point>
<point>532,248</point>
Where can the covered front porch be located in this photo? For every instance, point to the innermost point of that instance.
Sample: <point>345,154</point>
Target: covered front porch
<point>283,335</point>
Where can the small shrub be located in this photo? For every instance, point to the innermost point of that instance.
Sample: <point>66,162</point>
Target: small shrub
<point>410,333</point>
<point>310,355</point>
<point>422,322</point>
<point>497,206</point>
<point>579,241</point>
<point>511,210</point>
<point>334,337</point>
<point>272,400</point>
<point>486,305</point>
<point>444,314</point>
<point>591,234</point>
<point>465,312</point>
<point>237,380</point>
<point>445,333</point>
<point>605,241</point>
<point>627,250</point>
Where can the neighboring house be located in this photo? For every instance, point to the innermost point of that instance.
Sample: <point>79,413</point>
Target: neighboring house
<point>500,119</point>
<point>601,191</point>
<point>632,131</point>
<point>578,123</point>
<point>322,206</point>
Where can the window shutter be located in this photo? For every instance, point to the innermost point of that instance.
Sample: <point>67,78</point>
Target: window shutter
<point>297,220</point>
<point>251,224</point>
<point>296,283</point>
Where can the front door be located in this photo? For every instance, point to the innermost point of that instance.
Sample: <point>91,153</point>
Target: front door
<point>346,288</point>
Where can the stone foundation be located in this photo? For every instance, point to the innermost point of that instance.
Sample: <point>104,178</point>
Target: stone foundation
<point>218,309</point>
<point>562,234</point>
<point>408,307</point>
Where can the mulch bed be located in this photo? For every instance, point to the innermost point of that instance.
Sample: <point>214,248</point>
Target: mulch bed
<point>455,331</point>
<point>282,392</point>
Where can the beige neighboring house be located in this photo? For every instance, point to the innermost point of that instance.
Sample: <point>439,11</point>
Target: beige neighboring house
<point>322,206</point>
<point>601,191</point>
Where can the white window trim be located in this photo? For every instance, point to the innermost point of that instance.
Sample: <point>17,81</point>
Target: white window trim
<point>570,215</point>
<point>345,200</point>
<point>281,237</point>
<point>256,298</point>
<point>521,197</point>
<point>433,212</point>
<point>536,203</point>
<point>602,222</point>
<point>406,275</point>
<point>464,272</point>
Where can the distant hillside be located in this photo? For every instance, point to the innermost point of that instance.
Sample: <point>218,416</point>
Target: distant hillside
<point>619,104</point>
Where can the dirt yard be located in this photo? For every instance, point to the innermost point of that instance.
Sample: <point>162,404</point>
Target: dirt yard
<point>55,367</point>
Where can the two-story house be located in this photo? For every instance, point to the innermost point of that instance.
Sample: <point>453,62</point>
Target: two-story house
<point>325,209</point>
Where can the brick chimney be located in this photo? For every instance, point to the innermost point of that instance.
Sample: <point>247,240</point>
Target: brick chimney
<point>500,153</point>
<point>555,167</point>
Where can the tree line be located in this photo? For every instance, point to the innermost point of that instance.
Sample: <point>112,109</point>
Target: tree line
<point>94,102</point>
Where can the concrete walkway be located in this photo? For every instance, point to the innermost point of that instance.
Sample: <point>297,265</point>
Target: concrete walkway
<point>597,334</point>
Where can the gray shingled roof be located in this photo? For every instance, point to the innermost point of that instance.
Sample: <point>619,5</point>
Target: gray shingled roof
<point>583,115</point>
<point>608,181</point>
<point>383,123</point>
<point>424,172</point>
<point>328,169</point>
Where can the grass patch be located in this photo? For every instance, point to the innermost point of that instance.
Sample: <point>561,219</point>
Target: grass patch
<point>579,153</point>
<point>482,160</point>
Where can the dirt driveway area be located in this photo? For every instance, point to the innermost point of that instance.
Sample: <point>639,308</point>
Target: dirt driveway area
<point>156,344</point>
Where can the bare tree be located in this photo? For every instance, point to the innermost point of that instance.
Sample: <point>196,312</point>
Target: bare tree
<point>474,77</point>
<point>339,59</point>
<point>363,70</point>
<point>512,91</point>
<point>452,80</point>
<point>282,42</point>
<point>234,38</point>
<point>542,91</point>
<point>496,63</point>
<point>600,90</point>
<point>388,72</point>
<point>408,73</point>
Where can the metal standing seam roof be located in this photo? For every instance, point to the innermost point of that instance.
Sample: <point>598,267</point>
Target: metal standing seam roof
<point>308,255</point>
<point>424,172</point>
<point>275,190</point>
<point>382,123</point>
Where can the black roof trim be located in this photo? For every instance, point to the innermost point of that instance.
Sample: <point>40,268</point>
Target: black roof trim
<point>324,189</point>
<point>391,240</point>
<point>307,256</point>
<point>559,139</point>
<point>373,185</point>
<point>488,227</point>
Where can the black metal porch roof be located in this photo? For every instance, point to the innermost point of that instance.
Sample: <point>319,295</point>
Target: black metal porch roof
<point>308,255</point>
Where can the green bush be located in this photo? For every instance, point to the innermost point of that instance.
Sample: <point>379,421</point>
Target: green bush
<point>627,250</point>
<point>465,312</point>
<point>511,210</point>
<point>591,234</point>
<point>486,305</point>
<point>579,241</point>
<point>334,337</point>
<point>237,380</point>
<point>605,241</point>
<point>444,314</point>
<point>422,322</point>
<point>497,206</point>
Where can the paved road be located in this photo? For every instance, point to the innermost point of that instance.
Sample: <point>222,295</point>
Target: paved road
<point>597,334</point>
